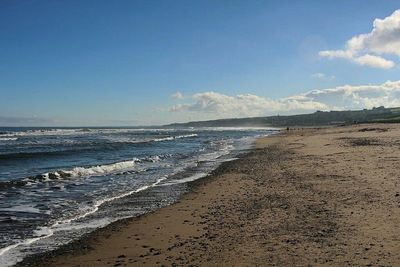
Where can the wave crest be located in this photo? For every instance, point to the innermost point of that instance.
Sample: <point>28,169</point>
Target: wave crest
<point>169,138</point>
<point>118,168</point>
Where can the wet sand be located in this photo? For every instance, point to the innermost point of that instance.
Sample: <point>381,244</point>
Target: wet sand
<point>308,197</point>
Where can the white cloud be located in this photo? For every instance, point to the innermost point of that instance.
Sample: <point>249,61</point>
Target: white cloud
<point>338,98</point>
<point>361,96</point>
<point>177,95</point>
<point>221,105</point>
<point>369,48</point>
<point>336,54</point>
<point>374,61</point>
<point>322,76</point>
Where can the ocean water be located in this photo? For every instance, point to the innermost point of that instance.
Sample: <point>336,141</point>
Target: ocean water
<point>58,184</point>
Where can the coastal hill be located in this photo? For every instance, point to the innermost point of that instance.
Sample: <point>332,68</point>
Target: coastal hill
<point>318,118</point>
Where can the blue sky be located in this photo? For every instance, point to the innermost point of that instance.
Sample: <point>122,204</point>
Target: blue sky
<point>121,63</point>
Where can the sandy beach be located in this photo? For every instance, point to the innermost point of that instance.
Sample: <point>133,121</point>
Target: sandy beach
<point>306,197</point>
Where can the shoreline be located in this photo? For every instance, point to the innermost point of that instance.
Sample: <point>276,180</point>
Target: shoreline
<point>85,243</point>
<point>326,196</point>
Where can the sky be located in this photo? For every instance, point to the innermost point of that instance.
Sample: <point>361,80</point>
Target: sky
<point>114,63</point>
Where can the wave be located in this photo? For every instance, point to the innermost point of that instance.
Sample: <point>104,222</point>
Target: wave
<point>77,131</point>
<point>67,148</point>
<point>73,173</point>
<point>44,132</point>
<point>126,140</point>
<point>185,136</point>
<point>117,168</point>
<point>8,139</point>
<point>169,138</point>
<point>92,171</point>
<point>114,168</point>
<point>48,231</point>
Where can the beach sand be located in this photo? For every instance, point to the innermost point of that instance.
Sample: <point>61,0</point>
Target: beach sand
<point>307,197</point>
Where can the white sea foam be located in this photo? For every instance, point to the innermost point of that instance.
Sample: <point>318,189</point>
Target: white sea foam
<point>8,138</point>
<point>11,260</point>
<point>6,254</point>
<point>169,138</point>
<point>98,170</point>
<point>83,131</point>
<point>185,136</point>
<point>9,255</point>
<point>213,157</point>
<point>149,140</point>
<point>44,132</point>
<point>191,178</point>
<point>63,132</point>
<point>124,167</point>
<point>102,169</point>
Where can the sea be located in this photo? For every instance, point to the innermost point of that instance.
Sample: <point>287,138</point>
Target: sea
<point>57,184</point>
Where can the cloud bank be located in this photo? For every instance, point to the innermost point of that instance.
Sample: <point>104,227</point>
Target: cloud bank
<point>337,98</point>
<point>369,49</point>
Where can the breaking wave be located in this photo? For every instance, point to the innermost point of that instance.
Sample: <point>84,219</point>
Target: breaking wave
<point>8,138</point>
<point>86,146</point>
<point>169,138</point>
<point>48,231</point>
<point>117,168</point>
